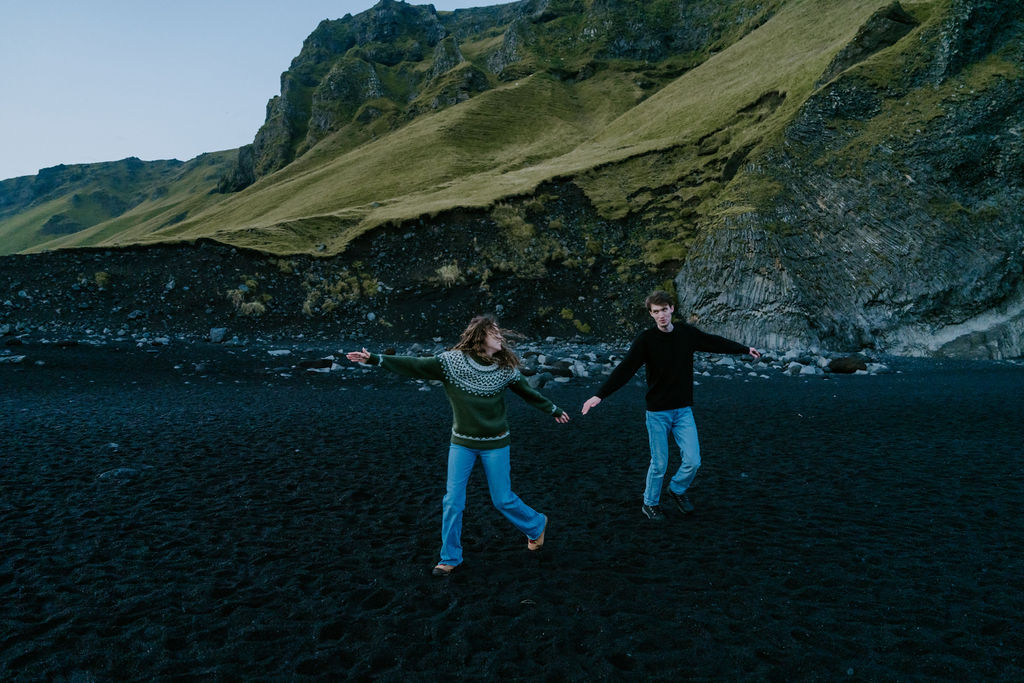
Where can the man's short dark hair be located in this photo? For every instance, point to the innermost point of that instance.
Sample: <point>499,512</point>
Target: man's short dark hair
<point>659,298</point>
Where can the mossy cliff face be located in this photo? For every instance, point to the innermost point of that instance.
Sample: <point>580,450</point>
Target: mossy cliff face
<point>370,73</point>
<point>897,220</point>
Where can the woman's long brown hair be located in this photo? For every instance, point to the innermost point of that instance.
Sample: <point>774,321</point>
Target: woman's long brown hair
<point>474,336</point>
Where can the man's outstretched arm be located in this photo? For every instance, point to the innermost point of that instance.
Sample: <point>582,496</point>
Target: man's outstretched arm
<point>712,343</point>
<point>620,375</point>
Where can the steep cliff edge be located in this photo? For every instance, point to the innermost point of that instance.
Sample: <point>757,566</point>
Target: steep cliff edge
<point>368,74</point>
<point>894,213</point>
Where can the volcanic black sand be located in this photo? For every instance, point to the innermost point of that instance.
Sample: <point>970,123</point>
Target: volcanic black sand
<point>228,524</point>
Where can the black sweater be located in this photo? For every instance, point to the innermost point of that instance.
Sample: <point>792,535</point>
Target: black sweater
<point>669,360</point>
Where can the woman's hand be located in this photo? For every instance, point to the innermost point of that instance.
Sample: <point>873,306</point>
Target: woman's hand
<point>590,403</point>
<point>359,356</point>
<point>563,418</point>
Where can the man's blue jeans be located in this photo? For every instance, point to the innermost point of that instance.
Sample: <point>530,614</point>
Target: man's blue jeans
<point>497,468</point>
<point>684,430</point>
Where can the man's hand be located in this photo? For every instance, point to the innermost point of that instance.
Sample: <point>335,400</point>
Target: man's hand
<point>359,356</point>
<point>590,403</point>
<point>754,352</point>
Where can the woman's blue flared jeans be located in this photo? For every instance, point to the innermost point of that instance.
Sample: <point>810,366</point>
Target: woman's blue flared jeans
<point>497,468</point>
<point>680,424</point>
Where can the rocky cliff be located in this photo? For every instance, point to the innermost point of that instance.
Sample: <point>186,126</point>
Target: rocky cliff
<point>896,220</point>
<point>372,72</point>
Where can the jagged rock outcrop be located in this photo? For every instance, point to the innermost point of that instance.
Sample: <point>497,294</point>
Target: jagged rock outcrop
<point>499,61</point>
<point>242,174</point>
<point>912,238</point>
<point>969,32</point>
<point>882,30</point>
<point>338,71</point>
<point>447,56</point>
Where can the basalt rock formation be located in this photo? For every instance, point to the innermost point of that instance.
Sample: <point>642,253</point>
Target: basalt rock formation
<point>898,221</point>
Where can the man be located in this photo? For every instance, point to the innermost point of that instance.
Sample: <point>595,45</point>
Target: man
<point>667,351</point>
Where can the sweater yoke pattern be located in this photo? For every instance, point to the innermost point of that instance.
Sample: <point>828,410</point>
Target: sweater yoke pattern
<point>473,377</point>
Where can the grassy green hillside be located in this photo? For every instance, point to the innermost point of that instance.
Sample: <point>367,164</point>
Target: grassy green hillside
<point>599,132</point>
<point>91,204</point>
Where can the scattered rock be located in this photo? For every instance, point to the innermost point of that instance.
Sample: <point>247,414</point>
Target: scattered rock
<point>217,334</point>
<point>540,379</point>
<point>848,364</point>
<point>120,474</point>
<point>794,368</point>
<point>558,368</point>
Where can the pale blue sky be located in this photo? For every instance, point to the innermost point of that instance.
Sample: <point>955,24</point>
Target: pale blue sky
<point>83,81</point>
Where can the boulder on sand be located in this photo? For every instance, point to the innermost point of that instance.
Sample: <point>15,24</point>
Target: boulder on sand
<point>848,364</point>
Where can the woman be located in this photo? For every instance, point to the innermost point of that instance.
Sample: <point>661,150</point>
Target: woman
<point>475,373</point>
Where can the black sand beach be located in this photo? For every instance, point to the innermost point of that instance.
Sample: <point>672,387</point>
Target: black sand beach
<point>159,523</point>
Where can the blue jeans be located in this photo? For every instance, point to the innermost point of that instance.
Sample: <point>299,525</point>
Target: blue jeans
<point>497,468</point>
<point>684,430</point>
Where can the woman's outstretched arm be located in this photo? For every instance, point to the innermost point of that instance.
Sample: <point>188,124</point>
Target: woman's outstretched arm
<point>408,366</point>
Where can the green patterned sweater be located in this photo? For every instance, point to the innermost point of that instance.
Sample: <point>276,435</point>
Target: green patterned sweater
<point>476,392</point>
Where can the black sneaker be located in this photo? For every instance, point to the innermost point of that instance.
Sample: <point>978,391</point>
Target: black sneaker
<point>653,512</point>
<point>682,502</point>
